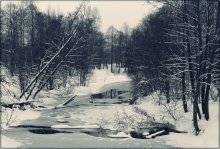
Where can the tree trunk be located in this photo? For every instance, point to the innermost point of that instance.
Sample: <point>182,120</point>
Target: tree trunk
<point>204,65</point>
<point>167,86</point>
<point>209,73</point>
<point>185,21</point>
<point>53,58</point>
<point>70,100</point>
<point>51,83</point>
<point>45,67</point>
<point>195,111</point>
<point>198,69</point>
<point>42,84</point>
<point>64,77</point>
<point>184,92</point>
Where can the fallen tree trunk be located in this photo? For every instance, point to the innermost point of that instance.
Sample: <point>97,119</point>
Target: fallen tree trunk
<point>70,100</point>
<point>155,134</point>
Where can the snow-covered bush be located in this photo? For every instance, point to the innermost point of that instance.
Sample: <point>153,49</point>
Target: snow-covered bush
<point>145,116</point>
<point>172,110</point>
<point>123,121</point>
<point>103,122</point>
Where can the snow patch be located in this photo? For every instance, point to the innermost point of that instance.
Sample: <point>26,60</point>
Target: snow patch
<point>99,79</point>
<point>15,117</point>
<point>208,137</point>
<point>75,127</point>
<point>120,135</point>
<point>9,143</point>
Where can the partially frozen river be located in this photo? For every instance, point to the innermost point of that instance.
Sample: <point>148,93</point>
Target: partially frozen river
<point>70,138</point>
<point>81,112</point>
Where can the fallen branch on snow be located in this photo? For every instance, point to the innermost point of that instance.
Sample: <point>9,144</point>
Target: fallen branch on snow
<point>67,102</point>
<point>154,134</point>
<point>70,100</point>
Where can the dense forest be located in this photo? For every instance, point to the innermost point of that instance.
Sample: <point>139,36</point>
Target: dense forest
<point>175,51</point>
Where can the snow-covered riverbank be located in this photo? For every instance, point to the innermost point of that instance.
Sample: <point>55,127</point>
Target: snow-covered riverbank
<point>99,80</point>
<point>110,116</point>
<point>14,118</point>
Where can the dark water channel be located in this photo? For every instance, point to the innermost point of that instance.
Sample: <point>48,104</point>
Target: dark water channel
<point>110,94</point>
<point>47,130</point>
<point>113,93</point>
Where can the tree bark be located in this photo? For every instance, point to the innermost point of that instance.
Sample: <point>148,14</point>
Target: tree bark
<point>184,55</point>
<point>167,86</point>
<point>184,92</point>
<point>209,72</point>
<point>112,38</point>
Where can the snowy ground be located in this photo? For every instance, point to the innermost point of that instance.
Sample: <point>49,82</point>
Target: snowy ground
<point>14,118</point>
<point>99,81</point>
<point>209,137</point>
<point>9,143</point>
<point>83,114</point>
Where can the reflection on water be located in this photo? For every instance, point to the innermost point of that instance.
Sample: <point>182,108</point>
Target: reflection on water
<point>113,93</point>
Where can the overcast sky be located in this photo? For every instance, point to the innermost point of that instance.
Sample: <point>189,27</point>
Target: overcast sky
<point>114,13</point>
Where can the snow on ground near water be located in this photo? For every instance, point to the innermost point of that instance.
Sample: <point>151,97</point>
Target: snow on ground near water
<point>9,143</point>
<point>209,139</point>
<point>59,126</point>
<point>9,91</point>
<point>99,79</point>
<point>106,116</point>
<point>209,135</point>
<point>14,118</point>
<point>103,116</point>
<point>120,135</point>
<point>9,87</point>
<point>47,101</point>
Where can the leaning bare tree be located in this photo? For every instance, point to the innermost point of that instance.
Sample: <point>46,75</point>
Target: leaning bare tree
<point>49,69</point>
